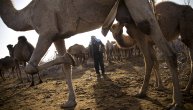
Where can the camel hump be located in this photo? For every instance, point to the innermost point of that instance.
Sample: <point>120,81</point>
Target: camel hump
<point>22,39</point>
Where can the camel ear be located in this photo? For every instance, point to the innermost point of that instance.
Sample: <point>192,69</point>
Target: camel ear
<point>110,18</point>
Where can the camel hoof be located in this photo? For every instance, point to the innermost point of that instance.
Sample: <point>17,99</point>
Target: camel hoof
<point>169,107</point>
<point>186,92</point>
<point>140,95</point>
<point>175,107</point>
<point>69,104</point>
<point>178,107</point>
<point>40,82</point>
<point>32,84</point>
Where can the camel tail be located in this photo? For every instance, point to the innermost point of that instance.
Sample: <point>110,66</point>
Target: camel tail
<point>73,61</point>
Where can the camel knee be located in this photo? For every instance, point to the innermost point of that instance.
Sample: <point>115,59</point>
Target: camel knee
<point>31,68</point>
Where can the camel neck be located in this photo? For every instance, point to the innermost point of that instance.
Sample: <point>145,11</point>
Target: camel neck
<point>13,18</point>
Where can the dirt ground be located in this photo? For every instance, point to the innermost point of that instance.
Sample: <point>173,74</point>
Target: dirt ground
<point>114,92</point>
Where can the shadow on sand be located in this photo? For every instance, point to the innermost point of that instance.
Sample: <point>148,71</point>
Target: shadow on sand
<point>109,95</point>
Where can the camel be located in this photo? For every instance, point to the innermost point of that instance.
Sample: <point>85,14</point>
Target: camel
<point>172,23</point>
<point>174,20</point>
<point>57,20</point>
<point>1,74</point>
<point>1,70</point>
<point>79,53</point>
<point>126,41</point>
<point>10,47</point>
<point>6,63</point>
<point>21,54</point>
<point>117,51</point>
<point>109,50</point>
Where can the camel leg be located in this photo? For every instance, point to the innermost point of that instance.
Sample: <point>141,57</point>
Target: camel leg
<point>145,48</point>
<point>190,82</point>
<point>12,70</point>
<point>19,72</point>
<point>186,35</point>
<point>71,97</point>
<point>66,68</point>
<point>32,81</point>
<point>40,80</point>
<point>159,85</point>
<point>2,75</point>
<point>141,13</point>
<point>27,76</point>
<point>44,42</point>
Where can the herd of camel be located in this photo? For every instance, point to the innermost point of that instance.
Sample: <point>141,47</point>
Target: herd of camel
<point>113,52</point>
<point>57,20</point>
<point>20,54</point>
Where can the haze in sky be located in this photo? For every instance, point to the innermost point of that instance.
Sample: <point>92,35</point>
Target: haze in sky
<point>9,36</point>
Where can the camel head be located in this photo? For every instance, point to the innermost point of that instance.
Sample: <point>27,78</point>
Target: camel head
<point>10,47</point>
<point>122,40</point>
<point>22,39</point>
<point>117,30</point>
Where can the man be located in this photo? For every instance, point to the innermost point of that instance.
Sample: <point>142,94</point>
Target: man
<point>96,51</point>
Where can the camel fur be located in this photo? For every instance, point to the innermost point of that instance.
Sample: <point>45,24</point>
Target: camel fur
<point>60,19</point>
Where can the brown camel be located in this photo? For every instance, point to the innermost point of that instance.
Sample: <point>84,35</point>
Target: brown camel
<point>6,63</point>
<point>126,41</point>
<point>1,73</point>
<point>109,51</point>
<point>174,20</point>
<point>117,51</point>
<point>21,53</point>
<point>79,53</point>
<point>1,69</point>
<point>57,20</point>
<point>10,48</point>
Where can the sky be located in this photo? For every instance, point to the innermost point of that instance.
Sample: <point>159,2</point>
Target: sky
<point>9,36</point>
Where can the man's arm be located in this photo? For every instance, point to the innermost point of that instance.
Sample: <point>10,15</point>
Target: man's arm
<point>102,46</point>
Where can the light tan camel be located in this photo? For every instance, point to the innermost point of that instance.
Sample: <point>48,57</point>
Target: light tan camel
<point>21,53</point>
<point>126,41</point>
<point>56,20</point>
<point>78,52</point>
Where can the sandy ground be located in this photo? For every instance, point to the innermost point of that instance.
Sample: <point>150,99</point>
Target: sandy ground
<point>114,92</point>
